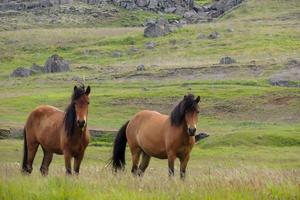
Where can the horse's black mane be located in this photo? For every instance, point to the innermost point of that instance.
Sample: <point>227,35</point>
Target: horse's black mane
<point>188,104</point>
<point>70,117</point>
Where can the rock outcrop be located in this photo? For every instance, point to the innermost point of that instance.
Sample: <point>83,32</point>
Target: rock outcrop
<point>55,63</point>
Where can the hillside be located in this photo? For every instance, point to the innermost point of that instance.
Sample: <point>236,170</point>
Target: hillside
<point>250,107</point>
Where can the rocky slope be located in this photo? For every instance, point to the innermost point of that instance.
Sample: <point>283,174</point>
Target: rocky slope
<point>50,11</point>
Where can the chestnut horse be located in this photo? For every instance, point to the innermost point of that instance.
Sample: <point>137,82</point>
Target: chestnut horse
<point>153,134</point>
<point>58,132</point>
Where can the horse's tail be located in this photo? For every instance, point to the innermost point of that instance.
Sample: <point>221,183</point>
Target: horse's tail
<point>25,152</point>
<point>118,158</point>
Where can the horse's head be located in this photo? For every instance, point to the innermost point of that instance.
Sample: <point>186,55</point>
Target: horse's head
<point>187,112</point>
<point>191,112</point>
<point>81,102</point>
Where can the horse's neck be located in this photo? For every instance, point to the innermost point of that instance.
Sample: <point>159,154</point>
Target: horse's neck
<point>186,139</point>
<point>78,134</point>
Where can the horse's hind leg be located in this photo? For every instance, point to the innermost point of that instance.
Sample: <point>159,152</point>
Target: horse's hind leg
<point>46,162</point>
<point>32,148</point>
<point>144,163</point>
<point>135,153</point>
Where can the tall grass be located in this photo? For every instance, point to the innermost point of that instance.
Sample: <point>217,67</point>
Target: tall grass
<point>202,183</point>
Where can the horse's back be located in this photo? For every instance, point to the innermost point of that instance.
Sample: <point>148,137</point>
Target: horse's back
<point>147,130</point>
<point>44,126</point>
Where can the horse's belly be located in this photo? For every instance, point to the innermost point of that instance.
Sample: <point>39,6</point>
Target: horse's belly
<point>153,148</point>
<point>162,155</point>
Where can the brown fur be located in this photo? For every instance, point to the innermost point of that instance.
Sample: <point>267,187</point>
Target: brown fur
<point>46,126</point>
<point>155,135</point>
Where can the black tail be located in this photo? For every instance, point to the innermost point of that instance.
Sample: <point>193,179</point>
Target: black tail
<point>118,158</point>
<point>25,153</point>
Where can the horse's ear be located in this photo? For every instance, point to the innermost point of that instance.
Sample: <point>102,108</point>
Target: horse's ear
<point>75,87</point>
<point>198,99</point>
<point>184,97</point>
<point>88,90</point>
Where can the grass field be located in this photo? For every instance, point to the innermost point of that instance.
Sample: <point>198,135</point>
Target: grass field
<point>254,144</point>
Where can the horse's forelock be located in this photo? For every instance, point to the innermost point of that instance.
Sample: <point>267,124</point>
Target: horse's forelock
<point>188,104</point>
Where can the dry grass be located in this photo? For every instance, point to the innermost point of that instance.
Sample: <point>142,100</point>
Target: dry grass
<point>202,183</point>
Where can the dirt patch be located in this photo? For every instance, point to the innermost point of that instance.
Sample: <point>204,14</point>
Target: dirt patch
<point>289,16</point>
<point>281,100</point>
<point>215,72</point>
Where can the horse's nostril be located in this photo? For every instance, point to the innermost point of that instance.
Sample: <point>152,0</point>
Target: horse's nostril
<point>81,123</point>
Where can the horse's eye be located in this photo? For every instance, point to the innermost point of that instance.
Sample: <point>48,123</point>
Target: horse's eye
<point>88,102</point>
<point>197,111</point>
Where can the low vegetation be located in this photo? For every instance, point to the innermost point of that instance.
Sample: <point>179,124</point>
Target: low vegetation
<point>254,144</point>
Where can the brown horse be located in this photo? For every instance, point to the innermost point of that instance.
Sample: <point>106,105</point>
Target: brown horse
<point>153,134</point>
<point>58,132</point>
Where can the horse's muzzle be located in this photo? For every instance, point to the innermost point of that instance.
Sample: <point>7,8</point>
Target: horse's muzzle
<point>191,131</point>
<point>81,123</point>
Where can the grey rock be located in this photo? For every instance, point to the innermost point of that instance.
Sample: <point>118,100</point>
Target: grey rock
<point>214,35</point>
<point>134,49</point>
<point>140,67</point>
<point>142,3</point>
<point>55,63</point>
<point>158,29</point>
<point>170,10</point>
<point>117,54</point>
<point>230,30</point>
<point>191,16</point>
<point>153,4</point>
<point>21,72</point>
<point>221,6</point>
<point>150,45</point>
<point>227,60</point>
<point>153,30</point>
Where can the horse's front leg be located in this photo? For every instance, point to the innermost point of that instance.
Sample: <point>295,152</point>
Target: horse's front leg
<point>68,158</point>
<point>77,162</point>
<point>171,160</point>
<point>183,163</point>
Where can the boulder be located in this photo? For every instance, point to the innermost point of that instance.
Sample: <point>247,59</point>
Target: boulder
<point>55,63</point>
<point>140,68</point>
<point>191,16</point>
<point>21,72</point>
<point>227,60</point>
<point>159,28</point>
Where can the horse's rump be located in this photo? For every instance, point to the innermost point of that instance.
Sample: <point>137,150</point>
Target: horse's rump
<point>44,126</point>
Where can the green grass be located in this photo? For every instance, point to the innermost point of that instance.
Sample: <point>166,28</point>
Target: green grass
<point>254,144</point>
<point>215,173</point>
